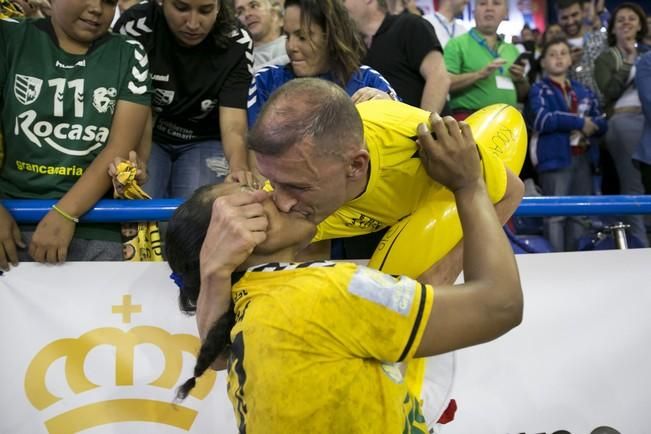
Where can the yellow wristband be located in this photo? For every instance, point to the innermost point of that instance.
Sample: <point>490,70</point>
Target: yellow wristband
<point>65,214</point>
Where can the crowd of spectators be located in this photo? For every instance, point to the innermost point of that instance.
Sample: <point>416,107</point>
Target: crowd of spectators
<point>201,67</point>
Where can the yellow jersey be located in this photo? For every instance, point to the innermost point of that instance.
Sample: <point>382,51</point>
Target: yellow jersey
<point>398,181</point>
<point>315,349</point>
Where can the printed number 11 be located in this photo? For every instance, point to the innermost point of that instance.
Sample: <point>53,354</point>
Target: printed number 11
<point>60,84</point>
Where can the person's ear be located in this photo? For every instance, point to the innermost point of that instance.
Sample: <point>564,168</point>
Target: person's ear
<point>358,165</point>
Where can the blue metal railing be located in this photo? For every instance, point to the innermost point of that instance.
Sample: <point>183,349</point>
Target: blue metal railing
<point>108,210</point>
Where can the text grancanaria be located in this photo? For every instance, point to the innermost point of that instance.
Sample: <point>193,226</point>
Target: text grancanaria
<point>44,169</point>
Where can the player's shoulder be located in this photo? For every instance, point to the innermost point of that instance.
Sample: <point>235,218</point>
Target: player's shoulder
<point>314,266</point>
<point>122,48</point>
<point>241,39</point>
<point>389,112</point>
<point>407,22</point>
<point>11,28</point>
<point>274,75</point>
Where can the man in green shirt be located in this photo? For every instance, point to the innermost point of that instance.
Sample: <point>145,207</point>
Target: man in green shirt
<point>481,65</point>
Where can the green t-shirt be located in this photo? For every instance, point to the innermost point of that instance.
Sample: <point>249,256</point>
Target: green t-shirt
<point>56,108</point>
<point>467,53</point>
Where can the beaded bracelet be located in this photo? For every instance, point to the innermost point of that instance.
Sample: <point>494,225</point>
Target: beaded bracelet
<point>65,214</point>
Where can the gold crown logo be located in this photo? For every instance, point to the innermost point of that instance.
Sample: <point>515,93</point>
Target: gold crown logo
<point>87,416</point>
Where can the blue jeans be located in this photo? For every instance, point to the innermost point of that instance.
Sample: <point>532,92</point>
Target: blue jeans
<point>178,170</point>
<point>561,231</point>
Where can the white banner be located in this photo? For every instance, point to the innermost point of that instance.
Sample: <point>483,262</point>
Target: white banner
<point>581,359</point>
<point>101,347</point>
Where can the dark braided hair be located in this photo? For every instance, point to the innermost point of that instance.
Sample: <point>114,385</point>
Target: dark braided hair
<point>217,342</point>
<point>186,231</point>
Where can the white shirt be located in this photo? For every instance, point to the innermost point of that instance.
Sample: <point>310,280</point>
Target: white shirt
<point>445,30</point>
<point>270,53</point>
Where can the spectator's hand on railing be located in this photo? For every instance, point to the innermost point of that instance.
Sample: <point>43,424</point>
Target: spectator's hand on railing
<point>9,238</point>
<point>51,238</point>
<point>141,170</point>
<point>589,127</point>
<point>491,67</point>
<point>367,94</point>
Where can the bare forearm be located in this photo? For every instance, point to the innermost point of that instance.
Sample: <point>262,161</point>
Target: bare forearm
<point>92,185</point>
<point>435,93</point>
<point>512,197</point>
<point>437,82</point>
<point>144,147</point>
<point>461,81</point>
<point>235,152</point>
<point>447,269</point>
<point>496,270</point>
<point>232,122</point>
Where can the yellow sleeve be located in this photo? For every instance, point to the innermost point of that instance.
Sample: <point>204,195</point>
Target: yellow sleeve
<point>378,316</point>
<point>393,117</point>
<point>494,174</point>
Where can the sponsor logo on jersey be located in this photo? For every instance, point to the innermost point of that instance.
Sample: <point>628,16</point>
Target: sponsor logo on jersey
<point>27,89</point>
<point>394,293</point>
<point>207,105</point>
<point>159,77</point>
<point>34,130</point>
<point>104,99</point>
<point>163,97</point>
<point>81,63</point>
<point>392,370</point>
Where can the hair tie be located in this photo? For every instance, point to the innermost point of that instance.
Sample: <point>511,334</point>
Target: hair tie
<point>177,279</point>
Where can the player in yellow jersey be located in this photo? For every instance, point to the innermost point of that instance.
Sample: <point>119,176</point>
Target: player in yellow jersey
<point>355,170</point>
<point>313,347</point>
<point>375,178</point>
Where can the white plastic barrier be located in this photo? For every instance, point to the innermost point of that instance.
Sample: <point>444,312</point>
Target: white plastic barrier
<point>100,347</point>
<point>581,359</point>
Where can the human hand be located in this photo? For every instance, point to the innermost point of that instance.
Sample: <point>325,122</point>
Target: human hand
<point>589,127</point>
<point>134,161</point>
<point>491,67</point>
<point>238,223</point>
<point>51,239</point>
<point>517,72</point>
<point>452,158</point>
<point>9,238</point>
<point>367,94</point>
<point>576,53</point>
<point>30,8</point>
<point>245,178</point>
